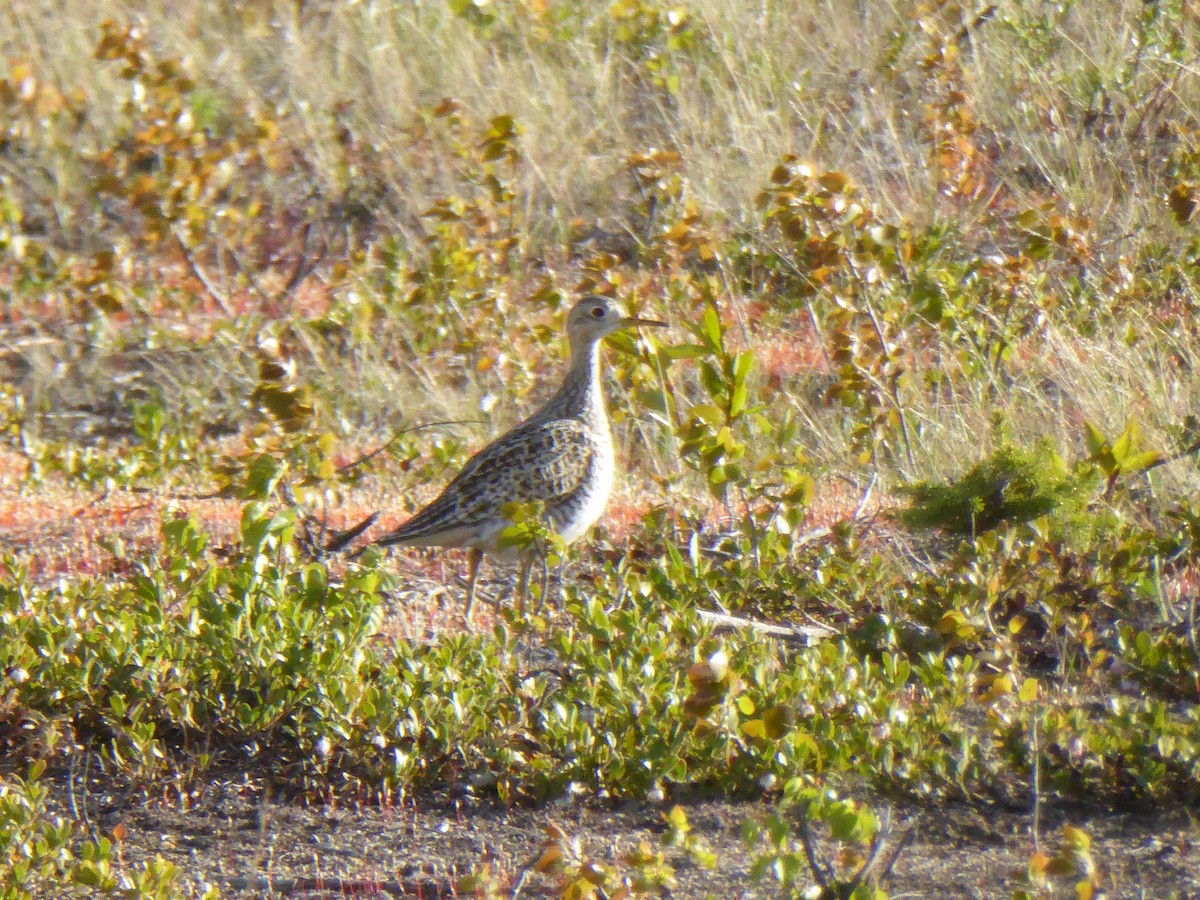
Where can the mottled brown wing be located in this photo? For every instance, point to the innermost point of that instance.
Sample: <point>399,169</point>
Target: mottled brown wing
<point>535,461</point>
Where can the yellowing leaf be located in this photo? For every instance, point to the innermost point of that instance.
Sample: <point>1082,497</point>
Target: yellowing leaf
<point>755,728</point>
<point>1097,443</point>
<point>1029,690</point>
<point>551,859</point>
<point>1077,838</point>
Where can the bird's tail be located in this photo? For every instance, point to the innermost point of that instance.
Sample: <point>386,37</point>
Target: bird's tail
<point>343,538</point>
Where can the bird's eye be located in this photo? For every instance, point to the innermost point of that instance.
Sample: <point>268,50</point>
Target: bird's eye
<point>597,312</point>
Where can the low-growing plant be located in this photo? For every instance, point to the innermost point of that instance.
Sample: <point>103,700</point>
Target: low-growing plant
<point>854,870</point>
<point>1010,485</point>
<point>1072,867</point>
<point>44,852</point>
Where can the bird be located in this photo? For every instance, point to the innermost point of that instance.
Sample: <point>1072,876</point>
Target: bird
<point>561,456</point>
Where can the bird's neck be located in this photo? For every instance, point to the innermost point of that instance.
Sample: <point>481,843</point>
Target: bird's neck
<point>581,393</point>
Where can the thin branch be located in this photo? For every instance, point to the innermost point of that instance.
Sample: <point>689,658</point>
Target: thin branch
<point>877,842</point>
<point>900,846</point>
<point>303,267</point>
<point>516,892</point>
<point>802,634</point>
<point>81,811</point>
<point>866,497</point>
<point>821,871</point>
<point>399,434</point>
<point>1035,777</point>
<point>209,287</point>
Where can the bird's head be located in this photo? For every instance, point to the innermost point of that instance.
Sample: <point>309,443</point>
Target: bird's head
<point>595,317</point>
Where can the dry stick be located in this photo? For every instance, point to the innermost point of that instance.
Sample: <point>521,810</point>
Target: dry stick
<point>1194,447</point>
<point>251,279</point>
<point>1035,778</point>
<point>1191,618</point>
<point>517,888</point>
<point>81,815</point>
<point>866,497</point>
<point>303,268</point>
<point>209,287</point>
<point>802,634</point>
<point>895,388</point>
<point>877,842</point>
<point>403,431</point>
<point>820,870</point>
<point>965,34</point>
<point>812,313</point>
<point>900,846</point>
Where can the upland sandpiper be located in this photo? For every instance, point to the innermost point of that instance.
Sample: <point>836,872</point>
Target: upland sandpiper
<point>561,456</point>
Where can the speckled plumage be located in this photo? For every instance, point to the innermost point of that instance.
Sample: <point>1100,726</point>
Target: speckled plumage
<point>561,455</point>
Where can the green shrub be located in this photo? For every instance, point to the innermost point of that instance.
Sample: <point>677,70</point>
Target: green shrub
<point>1012,485</point>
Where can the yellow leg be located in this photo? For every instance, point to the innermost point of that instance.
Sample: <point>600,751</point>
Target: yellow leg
<point>545,582</point>
<point>523,583</point>
<point>473,559</point>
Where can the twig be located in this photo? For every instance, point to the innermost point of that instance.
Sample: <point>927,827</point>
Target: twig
<point>821,871</point>
<point>877,842</point>
<point>399,434</point>
<point>1191,619</point>
<point>802,634</point>
<point>303,269</point>
<point>965,34</point>
<point>516,892</point>
<point>81,813</point>
<point>1035,778</point>
<point>899,847</point>
<point>866,497</point>
<point>1193,447</point>
<point>216,295</point>
<point>251,278</point>
<point>894,389</point>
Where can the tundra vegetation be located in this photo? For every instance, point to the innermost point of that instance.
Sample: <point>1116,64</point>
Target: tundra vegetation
<point>931,392</point>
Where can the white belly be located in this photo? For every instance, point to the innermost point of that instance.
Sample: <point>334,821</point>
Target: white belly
<point>585,516</point>
<point>572,522</point>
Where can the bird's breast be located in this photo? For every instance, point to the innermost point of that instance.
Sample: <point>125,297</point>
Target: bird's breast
<point>580,511</point>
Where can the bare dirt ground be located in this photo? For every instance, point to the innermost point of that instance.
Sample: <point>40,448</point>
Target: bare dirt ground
<point>232,834</point>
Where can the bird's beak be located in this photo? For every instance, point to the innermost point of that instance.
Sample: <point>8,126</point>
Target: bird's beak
<point>635,321</point>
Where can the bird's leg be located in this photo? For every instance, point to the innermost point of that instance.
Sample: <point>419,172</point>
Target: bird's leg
<point>523,583</point>
<point>473,558</point>
<point>562,584</point>
<point>545,581</point>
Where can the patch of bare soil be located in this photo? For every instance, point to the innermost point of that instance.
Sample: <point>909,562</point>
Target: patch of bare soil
<point>234,835</point>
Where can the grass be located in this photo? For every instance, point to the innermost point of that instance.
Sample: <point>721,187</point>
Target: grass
<point>269,267</point>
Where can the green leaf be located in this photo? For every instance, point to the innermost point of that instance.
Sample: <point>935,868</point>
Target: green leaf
<point>1096,441</point>
<point>778,721</point>
<point>1029,690</point>
<point>742,365</point>
<point>1125,442</point>
<point>682,351</point>
<point>1143,460</point>
<point>710,330</point>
